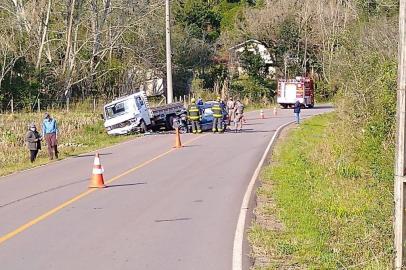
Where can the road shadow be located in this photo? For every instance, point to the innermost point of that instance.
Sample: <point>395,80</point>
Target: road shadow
<point>258,118</point>
<point>43,192</point>
<point>89,155</point>
<point>126,185</point>
<point>253,124</point>
<point>250,130</point>
<point>322,107</point>
<point>172,220</point>
<point>277,117</point>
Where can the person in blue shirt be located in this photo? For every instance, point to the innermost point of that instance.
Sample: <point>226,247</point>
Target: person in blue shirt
<point>200,104</point>
<point>50,133</point>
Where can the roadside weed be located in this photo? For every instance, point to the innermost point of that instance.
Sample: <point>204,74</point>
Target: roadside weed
<point>334,211</point>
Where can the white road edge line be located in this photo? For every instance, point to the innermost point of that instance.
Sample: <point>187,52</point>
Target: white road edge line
<point>239,231</point>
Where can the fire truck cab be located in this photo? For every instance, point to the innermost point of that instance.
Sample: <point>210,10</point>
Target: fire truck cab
<point>299,89</point>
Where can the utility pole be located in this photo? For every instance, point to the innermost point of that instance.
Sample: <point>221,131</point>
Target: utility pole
<point>400,163</point>
<point>169,88</point>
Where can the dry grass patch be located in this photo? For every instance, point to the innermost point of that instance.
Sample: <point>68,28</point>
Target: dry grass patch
<point>79,132</point>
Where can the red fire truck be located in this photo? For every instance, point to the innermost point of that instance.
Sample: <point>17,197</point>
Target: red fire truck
<point>299,89</point>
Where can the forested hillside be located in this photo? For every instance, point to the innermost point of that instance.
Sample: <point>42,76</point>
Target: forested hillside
<point>53,49</point>
<point>333,191</point>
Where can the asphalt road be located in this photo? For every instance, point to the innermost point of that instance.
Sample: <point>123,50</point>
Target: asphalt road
<point>163,209</point>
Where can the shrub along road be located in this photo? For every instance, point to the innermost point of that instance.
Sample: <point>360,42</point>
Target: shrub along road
<point>164,208</point>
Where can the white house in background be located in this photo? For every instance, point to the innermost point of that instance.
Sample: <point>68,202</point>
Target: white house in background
<point>153,87</point>
<point>254,46</point>
<point>153,84</point>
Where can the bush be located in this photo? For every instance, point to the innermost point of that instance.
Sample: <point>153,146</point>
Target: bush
<point>252,89</point>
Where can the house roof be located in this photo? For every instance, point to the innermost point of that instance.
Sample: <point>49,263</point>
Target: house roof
<point>245,42</point>
<point>260,48</point>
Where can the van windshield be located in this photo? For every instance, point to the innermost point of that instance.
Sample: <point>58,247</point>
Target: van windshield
<point>116,109</point>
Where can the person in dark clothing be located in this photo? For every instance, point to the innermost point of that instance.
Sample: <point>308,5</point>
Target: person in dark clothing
<point>296,110</point>
<point>33,139</point>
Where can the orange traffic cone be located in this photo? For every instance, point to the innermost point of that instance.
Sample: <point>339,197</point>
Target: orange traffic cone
<point>262,114</point>
<point>178,144</point>
<point>97,175</point>
<point>275,112</point>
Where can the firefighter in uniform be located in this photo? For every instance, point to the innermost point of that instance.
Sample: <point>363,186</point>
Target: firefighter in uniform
<point>194,116</point>
<point>217,116</point>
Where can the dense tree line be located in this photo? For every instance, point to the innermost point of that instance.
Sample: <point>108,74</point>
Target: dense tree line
<point>55,49</point>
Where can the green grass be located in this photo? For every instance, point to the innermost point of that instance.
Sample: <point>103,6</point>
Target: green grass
<point>79,133</point>
<point>333,213</point>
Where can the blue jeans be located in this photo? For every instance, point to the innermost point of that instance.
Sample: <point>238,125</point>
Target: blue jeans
<point>297,116</point>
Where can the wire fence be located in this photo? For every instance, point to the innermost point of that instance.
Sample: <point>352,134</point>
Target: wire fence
<point>42,105</point>
<point>73,104</point>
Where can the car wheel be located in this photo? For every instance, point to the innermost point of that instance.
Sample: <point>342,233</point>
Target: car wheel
<point>183,129</point>
<point>169,122</point>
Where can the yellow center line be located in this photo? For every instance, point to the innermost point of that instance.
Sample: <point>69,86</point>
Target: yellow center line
<point>31,223</point>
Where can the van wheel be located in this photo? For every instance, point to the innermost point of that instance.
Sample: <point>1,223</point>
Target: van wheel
<point>310,106</point>
<point>285,106</point>
<point>143,127</point>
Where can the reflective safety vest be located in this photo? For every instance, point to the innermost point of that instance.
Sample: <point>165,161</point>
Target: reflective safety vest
<point>193,112</point>
<point>216,110</point>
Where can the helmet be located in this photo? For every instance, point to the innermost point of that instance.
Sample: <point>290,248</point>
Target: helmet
<point>193,100</point>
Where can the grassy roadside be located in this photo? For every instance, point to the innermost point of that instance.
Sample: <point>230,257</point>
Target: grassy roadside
<point>316,211</point>
<point>79,133</point>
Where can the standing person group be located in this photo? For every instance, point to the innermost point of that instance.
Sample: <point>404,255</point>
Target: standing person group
<point>235,110</point>
<point>235,113</point>
<point>49,133</point>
